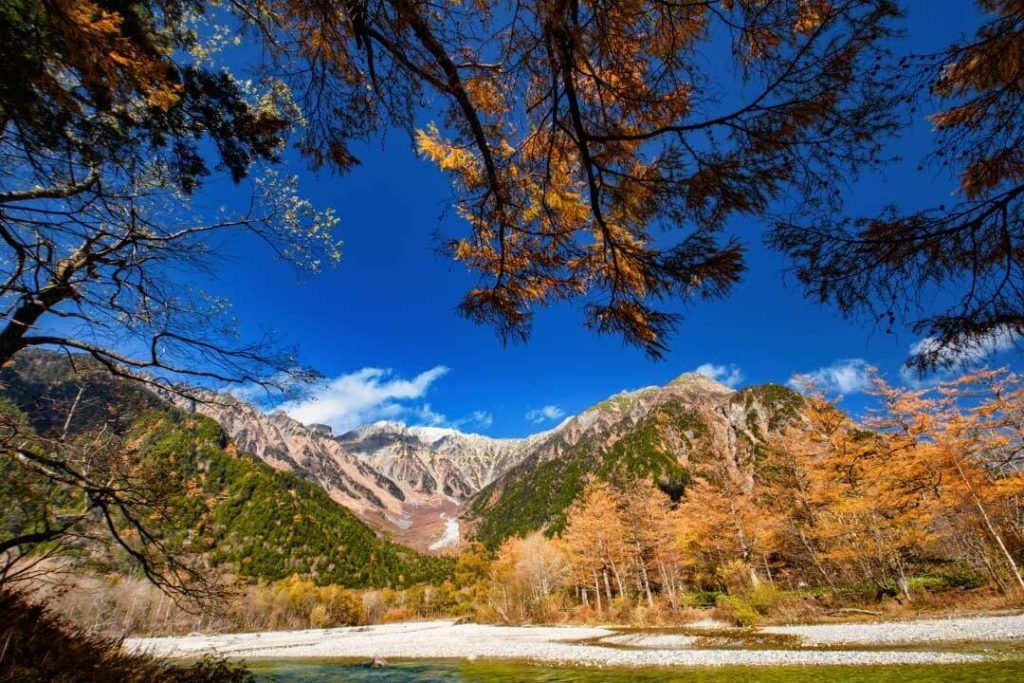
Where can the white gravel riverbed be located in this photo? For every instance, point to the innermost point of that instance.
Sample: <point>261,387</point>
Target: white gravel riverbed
<point>1007,627</point>
<point>564,644</point>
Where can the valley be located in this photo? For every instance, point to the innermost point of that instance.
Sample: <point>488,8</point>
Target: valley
<point>419,485</point>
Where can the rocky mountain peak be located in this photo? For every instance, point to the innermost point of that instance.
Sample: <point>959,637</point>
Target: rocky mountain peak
<point>698,382</point>
<point>693,427</point>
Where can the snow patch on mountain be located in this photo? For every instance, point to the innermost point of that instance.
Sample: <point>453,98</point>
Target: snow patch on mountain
<point>450,536</point>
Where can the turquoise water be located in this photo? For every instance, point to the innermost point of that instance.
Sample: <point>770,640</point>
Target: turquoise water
<point>1010,671</point>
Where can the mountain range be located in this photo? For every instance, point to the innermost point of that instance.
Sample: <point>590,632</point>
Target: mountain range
<point>430,488</point>
<point>409,482</point>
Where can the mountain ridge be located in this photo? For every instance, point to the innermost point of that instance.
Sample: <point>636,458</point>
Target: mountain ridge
<point>415,482</point>
<point>667,434</point>
<point>408,482</point>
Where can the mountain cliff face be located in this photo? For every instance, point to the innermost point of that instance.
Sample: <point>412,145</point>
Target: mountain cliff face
<point>433,460</point>
<point>407,481</point>
<point>692,426</point>
<point>310,452</point>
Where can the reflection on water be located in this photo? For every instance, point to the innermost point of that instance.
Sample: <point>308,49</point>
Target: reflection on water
<point>457,672</point>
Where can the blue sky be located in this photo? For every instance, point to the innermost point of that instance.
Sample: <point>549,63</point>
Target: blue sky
<point>382,327</point>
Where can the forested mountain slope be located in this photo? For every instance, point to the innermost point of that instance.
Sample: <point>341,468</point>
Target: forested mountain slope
<point>404,481</point>
<point>242,515</point>
<point>690,427</point>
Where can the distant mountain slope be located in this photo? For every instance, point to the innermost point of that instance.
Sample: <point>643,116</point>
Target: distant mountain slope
<point>256,521</point>
<point>310,452</point>
<point>691,426</point>
<point>406,481</point>
<point>433,460</point>
<point>271,524</point>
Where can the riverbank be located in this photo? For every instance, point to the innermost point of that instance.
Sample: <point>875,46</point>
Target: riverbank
<point>821,644</point>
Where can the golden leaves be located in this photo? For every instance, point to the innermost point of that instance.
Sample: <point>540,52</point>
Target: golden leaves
<point>448,157</point>
<point>108,58</point>
<point>486,95</point>
<point>589,127</point>
<point>811,14</point>
<point>986,174</point>
<point>983,78</point>
<point>759,42</point>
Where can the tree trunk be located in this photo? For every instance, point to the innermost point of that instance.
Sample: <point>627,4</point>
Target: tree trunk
<point>617,575</point>
<point>901,578</point>
<point>991,527</point>
<point>668,585</point>
<point>755,581</point>
<point>768,571</point>
<point>33,305</point>
<point>904,586</point>
<point>644,579</point>
<point>814,558</point>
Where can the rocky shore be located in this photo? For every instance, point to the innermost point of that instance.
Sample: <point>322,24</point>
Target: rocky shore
<point>820,644</point>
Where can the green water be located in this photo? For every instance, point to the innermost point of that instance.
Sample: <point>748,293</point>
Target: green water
<point>1010,671</point>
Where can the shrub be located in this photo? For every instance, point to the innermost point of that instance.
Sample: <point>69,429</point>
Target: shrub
<point>319,618</point>
<point>964,577</point>
<point>738,610</point>
<point>700,599</point>
<point>397,614</point>
<point>763,599</point>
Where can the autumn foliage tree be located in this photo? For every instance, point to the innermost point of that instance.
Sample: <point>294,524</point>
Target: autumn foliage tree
<point>968,458</point>
<point>527,578</point>
<point>925,493</point>
<point>889,265</point>
<point>107,129</point>
<point>595,537</point>
<point>573,132</point>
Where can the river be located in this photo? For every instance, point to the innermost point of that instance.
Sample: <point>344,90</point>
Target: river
<point>1009,671</point>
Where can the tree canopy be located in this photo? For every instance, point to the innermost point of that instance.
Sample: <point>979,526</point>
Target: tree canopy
<point>891,265</point>
<point>573,132</point>
<point>108,125</point>
<point>599,152</point>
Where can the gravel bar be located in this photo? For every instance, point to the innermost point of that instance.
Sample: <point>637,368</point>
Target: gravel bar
<point>953,629</point>
<point>565,644</point>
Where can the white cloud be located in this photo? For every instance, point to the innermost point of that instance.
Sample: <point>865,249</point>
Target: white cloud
<point>480,419</point>
<point>849,376</point>
<point>951,358</point>
<point>367,395</point>
<point>278,388</point>
<point>729,375</point>
<point>251,393</point>
<point>425,415</point>
<point>545,414</point>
